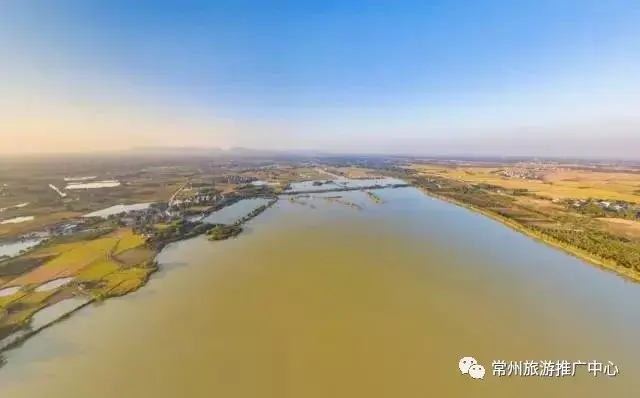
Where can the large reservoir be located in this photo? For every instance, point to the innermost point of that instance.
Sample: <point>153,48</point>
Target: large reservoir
<point>327,300</point>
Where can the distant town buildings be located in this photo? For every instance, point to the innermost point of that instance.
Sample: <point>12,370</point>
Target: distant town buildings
<point>238,179</point>
<point>66,228</point>
<point>523,173</point>
<point>604,204</point>
<point>531,171</point>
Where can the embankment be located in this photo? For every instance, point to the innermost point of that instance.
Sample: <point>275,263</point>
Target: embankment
<point>549,240</point>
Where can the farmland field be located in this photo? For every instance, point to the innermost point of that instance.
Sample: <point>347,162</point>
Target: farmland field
<point>127,240</point>
<point>106,265</point>
<point>555,184</point>
<point>544,202</point>
<point>628,228</point>
<point>69,262</point>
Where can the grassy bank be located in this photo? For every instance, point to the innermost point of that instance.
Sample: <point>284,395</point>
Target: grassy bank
<point>606,264</point>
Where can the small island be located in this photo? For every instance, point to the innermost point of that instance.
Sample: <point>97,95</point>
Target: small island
<point>222,232</point>
<point>320,183</point>
<point>374,198</point>
<point>336,199</point>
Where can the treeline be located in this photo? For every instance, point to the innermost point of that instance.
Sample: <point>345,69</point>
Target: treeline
<point>174,232</point>
<point>604,245</point>
<point>594,210</point>
<point>257,211</point>
<point>252,214</point>
<point>572,232</point>
<point>375,198</point>
<point>222,232</point>
<point>185,229</point>
<point>86,235</point>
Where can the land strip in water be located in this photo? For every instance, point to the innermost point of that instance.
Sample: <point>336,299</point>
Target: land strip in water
<point>374,198</point>
<point>345,189</point>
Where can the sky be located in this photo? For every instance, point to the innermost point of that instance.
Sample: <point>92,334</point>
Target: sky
<point>492,77</point>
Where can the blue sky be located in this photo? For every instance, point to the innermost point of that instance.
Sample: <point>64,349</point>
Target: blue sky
<point>442,77</point>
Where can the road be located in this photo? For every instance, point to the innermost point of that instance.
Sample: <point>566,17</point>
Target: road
<point>176,193</point>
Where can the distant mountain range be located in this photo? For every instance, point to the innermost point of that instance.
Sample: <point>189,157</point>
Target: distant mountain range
<point>309,153</point>
<point>190,151</point>
<point>235,151</point>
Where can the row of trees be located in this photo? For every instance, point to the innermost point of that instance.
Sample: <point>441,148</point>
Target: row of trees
<point>602,244</point>
<point>571,232</point>
<point>595,210</point>
<point>174,232</point>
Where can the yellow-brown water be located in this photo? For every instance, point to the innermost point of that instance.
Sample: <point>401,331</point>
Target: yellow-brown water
<point>336,302</point>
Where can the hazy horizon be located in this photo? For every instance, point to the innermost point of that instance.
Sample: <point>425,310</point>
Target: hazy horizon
<point>429,78</point>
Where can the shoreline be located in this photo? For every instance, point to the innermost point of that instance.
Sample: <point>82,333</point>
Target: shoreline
<point>344,189</point>
<point>24,335</point>
<point>19,337</point>
<point>580,254</point>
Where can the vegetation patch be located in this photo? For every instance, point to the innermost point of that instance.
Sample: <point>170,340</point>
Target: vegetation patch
<point>556,184</point>
<point>135,256</point>
<point>98,269</point>
<point>58,243</point>
<point>20,265</point>
<point>123,281</point>
<point>581,234</point>
<point>127,241</point>
<point>222,232</point>
<point>107,266</point>
<point>70,262</point>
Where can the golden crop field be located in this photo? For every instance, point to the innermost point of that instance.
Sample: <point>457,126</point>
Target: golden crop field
<point>6,300</point>
<point>115,264</point>
<point>127,240</point>
<point>556,184</point>
<point>83,257</point>
<point>98,269</point>
<point>628,228</point>
<point>123,281</point>
<point>69,262</point>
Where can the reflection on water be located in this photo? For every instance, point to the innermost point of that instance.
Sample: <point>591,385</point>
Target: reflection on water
<point>305,186</point>
<point>53,284</point>
<point>14,248</point>
<point>9,291</point>
<point>333,302</point>
<point>50,314</point>
<point>118,209</point>
<point>233,213</point>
